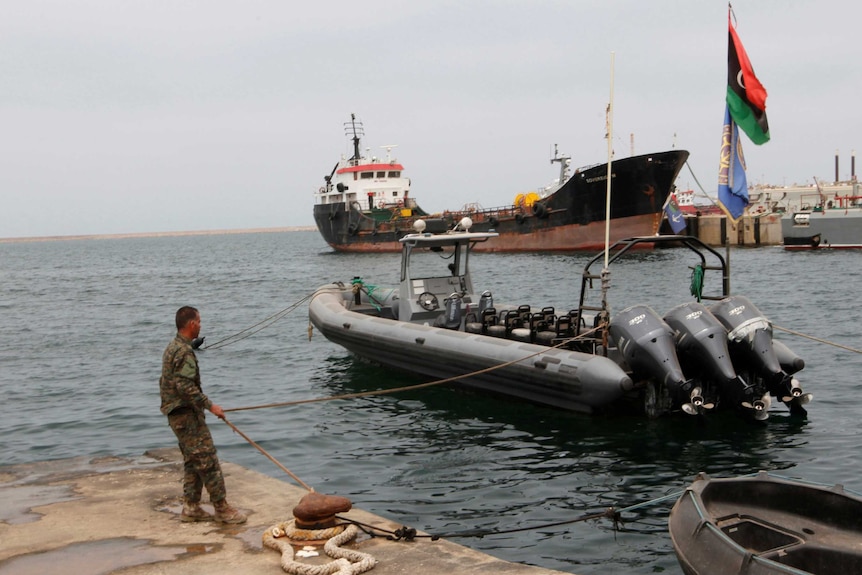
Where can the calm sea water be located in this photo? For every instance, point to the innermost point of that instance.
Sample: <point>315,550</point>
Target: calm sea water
<point>85,323</point>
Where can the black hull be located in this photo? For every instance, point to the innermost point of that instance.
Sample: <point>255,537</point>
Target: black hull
<point>572,218</point>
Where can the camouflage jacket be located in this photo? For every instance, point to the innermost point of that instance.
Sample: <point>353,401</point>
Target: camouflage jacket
<point>180,384</point>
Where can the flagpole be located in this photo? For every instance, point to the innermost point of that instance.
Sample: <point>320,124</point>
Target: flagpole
<point>604,315</point>
<point>610,169</point>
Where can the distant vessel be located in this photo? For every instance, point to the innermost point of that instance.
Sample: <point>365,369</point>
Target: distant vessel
<point>812,216</point>
<point>685,201</point>
<point>366,205</point>
<point>783,199</point>
<point>822,215</point>
<point>833,223</point>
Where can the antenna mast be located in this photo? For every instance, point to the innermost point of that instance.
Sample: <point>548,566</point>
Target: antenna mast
<point>355,130</point>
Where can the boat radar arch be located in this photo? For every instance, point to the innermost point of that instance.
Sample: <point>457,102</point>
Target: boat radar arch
<point>460,233</point>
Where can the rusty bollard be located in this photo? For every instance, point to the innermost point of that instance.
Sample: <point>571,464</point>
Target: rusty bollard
<point>317,510</point>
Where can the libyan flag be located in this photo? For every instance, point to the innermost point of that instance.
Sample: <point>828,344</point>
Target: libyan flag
<point>746,96</point>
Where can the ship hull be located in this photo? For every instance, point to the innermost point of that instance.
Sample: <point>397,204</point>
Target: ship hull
<point>571,218</point>
<point>833,228</point>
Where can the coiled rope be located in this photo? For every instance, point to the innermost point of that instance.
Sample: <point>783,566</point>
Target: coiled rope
<point>346,561</point>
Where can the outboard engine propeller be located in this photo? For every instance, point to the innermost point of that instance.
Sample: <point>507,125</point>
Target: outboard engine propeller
<point>646,343</point>
<point>750,335</point>
<point>792,363</point>
<point>759,406</point>
<point>702,339</point>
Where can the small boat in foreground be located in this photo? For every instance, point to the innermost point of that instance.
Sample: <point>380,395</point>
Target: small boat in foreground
<point>365,204</point>
<point>437,325</point>
<point>766,525</point>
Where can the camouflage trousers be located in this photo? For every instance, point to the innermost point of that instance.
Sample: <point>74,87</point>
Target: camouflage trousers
<point>201,467</point>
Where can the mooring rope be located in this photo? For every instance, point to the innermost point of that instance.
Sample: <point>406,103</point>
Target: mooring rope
<point>267,455</point>
<point>261,325</point>
<point>411,387</point>
<point>406,533</point>
<point>409,533</point>
<point>817,339</point>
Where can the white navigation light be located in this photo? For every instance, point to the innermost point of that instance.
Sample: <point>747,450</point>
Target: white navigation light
<point>419,226</point>
<point>466,224</point>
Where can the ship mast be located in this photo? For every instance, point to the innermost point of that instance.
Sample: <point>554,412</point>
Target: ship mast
<point>355,130</point>
<point>564,165</point>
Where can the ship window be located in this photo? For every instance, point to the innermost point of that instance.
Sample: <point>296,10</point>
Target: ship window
<point>366,175</point>
<point>394,194</point>
<point>394,174</point>
<point>381,174</point>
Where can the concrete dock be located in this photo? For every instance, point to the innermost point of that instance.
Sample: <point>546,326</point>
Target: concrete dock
<point>99,516</point>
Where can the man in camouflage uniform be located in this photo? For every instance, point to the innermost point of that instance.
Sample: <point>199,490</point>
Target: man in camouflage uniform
<point>184,402</point>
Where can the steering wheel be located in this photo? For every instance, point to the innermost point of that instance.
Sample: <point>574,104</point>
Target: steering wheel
<point>428,301</point>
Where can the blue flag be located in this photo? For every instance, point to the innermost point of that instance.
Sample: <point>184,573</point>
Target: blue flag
<point>732,185</point>
<point>674,215</point>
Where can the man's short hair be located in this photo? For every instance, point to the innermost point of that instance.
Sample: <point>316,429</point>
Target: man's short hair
<point>184,315</point>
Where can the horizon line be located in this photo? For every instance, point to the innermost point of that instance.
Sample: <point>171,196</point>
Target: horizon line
<point>157,234</point>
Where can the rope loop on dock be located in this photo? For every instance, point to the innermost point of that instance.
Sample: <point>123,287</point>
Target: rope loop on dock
<point>282,536</point>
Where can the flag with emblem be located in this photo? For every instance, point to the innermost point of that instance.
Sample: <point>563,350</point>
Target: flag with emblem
<point>732,183</point>
<point>746,96</point>
<point>674,214</point>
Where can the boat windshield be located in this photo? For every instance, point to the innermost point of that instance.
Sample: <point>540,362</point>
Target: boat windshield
<point>438,255</point>
<point>434,262</point>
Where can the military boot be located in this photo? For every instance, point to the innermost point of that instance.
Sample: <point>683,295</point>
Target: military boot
<point>226,513</point>
<point>192,512</point>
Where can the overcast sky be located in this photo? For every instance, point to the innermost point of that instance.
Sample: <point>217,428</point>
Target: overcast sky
<point>120,116</point>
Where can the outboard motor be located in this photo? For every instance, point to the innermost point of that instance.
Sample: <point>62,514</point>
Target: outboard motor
<point>750,337</point>
<point>702,340</point>
<point>646,343</point>
<point>451,317</point>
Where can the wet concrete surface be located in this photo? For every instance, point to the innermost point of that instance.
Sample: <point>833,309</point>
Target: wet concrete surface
<point>107,515</point>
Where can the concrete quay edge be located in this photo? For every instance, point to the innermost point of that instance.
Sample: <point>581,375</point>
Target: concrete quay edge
<point>100,515</point>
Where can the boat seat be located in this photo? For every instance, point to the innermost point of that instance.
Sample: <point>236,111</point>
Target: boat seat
<point>508,320</point>
<point>472,323</point>
<point>576,318</point>
<point>563,328</point>
<point>451,316</point>
<point>542,331</point>
<point>518,324</point>
<point>486,301</point>
<point>491,324</point>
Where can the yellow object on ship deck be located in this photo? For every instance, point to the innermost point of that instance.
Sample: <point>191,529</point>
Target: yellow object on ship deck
<point>526,200</point>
